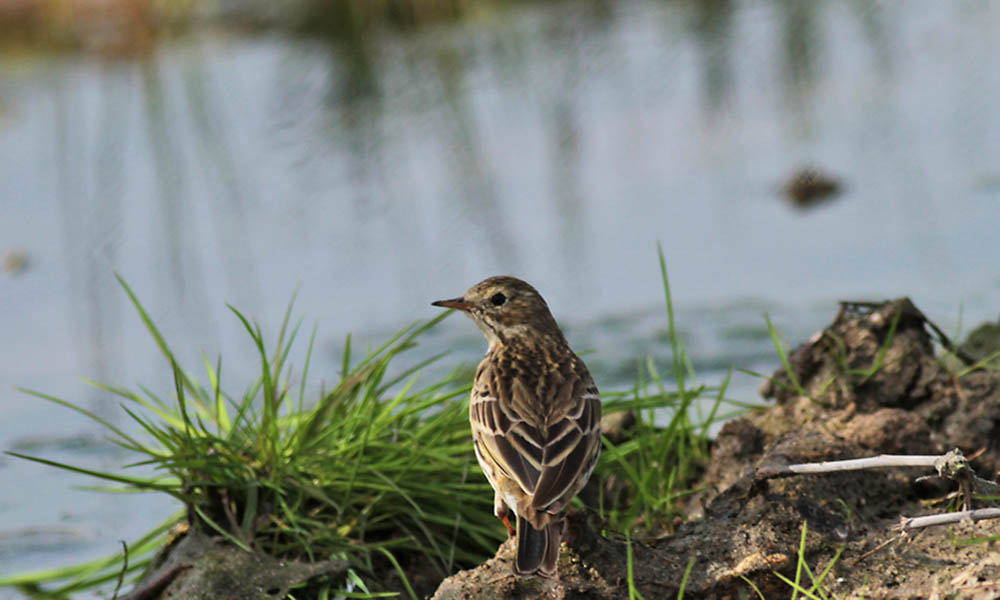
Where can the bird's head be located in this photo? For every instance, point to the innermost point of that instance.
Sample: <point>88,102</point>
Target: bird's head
<point>506,308</point>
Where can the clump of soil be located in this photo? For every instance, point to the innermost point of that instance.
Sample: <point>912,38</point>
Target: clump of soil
<point>868,384</point>
<point>196,567</point>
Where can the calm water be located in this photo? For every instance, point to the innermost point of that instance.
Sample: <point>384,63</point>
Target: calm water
<point>555,142</point>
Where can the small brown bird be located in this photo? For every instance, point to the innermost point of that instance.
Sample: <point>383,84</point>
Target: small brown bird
<point>535,414</point>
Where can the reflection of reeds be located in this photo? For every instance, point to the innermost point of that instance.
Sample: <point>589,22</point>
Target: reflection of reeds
<point>92,167</point>
<point>170,176</point>
<point>802,44</point>
<point>712,24</point>
<point>232,183</point>
<point>88,222</point>
<point>349,17</point>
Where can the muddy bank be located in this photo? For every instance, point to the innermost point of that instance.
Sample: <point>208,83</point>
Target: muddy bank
<point>870,383</point>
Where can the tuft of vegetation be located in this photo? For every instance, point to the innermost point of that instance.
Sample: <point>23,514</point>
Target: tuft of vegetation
<point>378,471</point>
<point>646,476</point>
<point>377,467</point>
<point>816,591</point>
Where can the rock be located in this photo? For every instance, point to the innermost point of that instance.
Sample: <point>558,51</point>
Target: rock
<point>198,567</point>
<point>983,344</point>
<point>890,431</point>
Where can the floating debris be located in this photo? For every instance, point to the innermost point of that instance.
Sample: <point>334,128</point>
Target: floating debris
<point>14,261</point>
<point>809,187</point>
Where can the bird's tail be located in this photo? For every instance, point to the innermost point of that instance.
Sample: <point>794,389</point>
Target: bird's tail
<point>537,549</point>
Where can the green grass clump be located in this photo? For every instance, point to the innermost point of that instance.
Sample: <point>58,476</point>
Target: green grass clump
<point>645,476</point>
<point>377,465</point>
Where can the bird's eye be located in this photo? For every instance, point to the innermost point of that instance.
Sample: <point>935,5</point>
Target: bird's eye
<point>498,298</point>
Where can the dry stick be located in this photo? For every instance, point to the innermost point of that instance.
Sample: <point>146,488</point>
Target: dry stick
<point>855,464</point>
<point>949,518</point>
<point>876,549</point>
<point>952,465</point>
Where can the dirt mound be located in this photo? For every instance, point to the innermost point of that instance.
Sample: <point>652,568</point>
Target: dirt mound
<point>868,384</point>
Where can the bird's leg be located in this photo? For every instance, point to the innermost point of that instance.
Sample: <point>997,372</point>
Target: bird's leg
<point>506,522</point>
<point>501,511</point>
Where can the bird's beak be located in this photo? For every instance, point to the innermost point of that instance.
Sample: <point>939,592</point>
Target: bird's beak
<point>458,303</point>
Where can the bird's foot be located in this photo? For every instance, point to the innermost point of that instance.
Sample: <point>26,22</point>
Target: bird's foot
<point>506,523</point>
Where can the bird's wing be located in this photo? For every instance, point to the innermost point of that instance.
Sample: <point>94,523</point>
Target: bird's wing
<point>502,436</point>
<point>548,447</point>
<point>573,443</point>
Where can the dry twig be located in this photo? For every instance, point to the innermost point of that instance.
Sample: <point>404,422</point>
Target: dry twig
<point>952,465</point>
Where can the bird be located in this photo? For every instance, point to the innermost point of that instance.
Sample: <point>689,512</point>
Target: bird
<point>535,414</point>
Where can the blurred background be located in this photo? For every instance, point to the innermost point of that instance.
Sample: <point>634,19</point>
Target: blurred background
<point>380,154</point>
